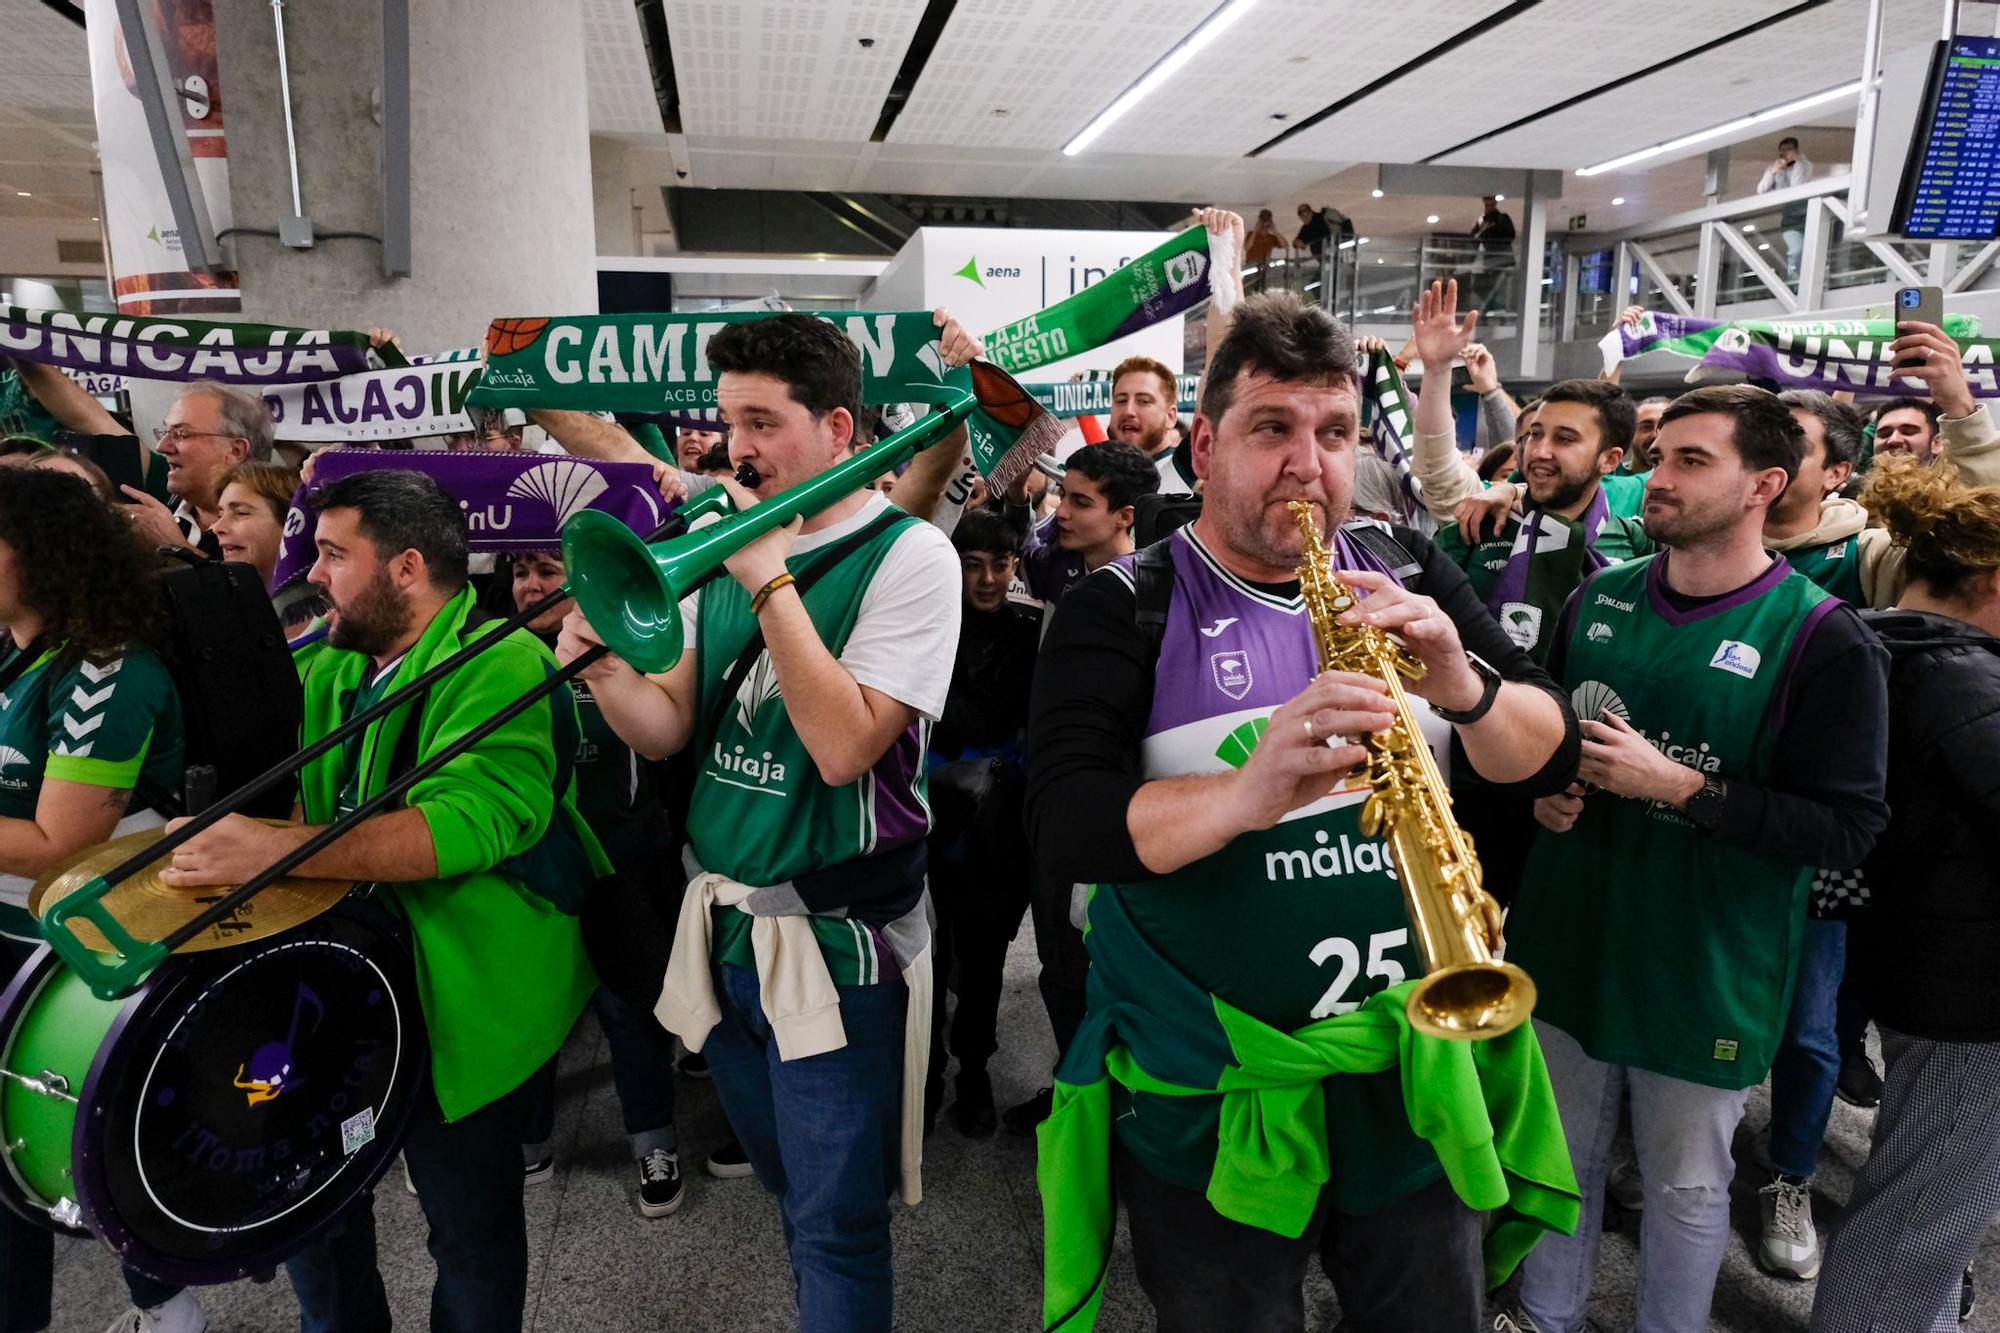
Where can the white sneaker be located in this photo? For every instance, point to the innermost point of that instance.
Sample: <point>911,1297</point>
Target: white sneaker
<point>138,1321</point>
<point>1790,1247</point>
<point>1625,1187</point>
<point>1517,1322</point>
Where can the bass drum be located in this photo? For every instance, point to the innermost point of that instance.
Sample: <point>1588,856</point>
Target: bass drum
<point>208,1125</point>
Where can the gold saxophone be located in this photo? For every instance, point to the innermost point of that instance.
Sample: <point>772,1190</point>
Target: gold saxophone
<point>1466,993</point>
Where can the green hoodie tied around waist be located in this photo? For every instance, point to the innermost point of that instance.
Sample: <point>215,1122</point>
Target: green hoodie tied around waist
<point>1486,1107</point>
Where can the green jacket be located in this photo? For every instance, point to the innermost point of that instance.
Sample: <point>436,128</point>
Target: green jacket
<point>1486,1107</point>
<point>500,969</point>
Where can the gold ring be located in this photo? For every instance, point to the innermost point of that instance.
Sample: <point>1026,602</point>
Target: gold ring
<point>1311,735</point>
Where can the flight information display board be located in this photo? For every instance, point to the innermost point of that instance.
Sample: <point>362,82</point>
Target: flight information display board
<point>1951,185</point>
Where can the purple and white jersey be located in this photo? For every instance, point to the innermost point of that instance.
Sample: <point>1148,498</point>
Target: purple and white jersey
<point>1232,653</point>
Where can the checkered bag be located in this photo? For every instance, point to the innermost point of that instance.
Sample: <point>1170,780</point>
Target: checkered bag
<point>1837,894</point>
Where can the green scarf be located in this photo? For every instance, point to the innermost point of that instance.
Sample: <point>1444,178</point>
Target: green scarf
<point>653,363</point>
<point>1486,1107</point>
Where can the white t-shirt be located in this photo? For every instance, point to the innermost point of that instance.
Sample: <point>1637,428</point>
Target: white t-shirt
<point>906,636</point>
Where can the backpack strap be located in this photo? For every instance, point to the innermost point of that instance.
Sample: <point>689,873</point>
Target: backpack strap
<point>1153,591</point>
<point>404,757</point>
<point>1381,542</point>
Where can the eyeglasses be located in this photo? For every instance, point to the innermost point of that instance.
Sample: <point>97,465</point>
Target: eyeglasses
<point>181,434</point>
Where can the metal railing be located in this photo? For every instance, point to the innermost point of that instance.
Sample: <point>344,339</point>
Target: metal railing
<point>1789,252</point>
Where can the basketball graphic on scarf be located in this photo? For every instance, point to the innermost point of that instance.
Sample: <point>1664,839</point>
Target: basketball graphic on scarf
<point>1001,398</point>
<point>511,335</point>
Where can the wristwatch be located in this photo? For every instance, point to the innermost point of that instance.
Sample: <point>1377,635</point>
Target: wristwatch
<point>1705,806</point>
<point>1490,680</point>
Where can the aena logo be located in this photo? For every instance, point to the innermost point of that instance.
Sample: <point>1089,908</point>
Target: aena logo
<point>971,271</point>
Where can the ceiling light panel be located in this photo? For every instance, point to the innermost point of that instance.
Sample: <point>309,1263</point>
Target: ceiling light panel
<point>617,75</point>
<point>1054,64</point>
<point>1821,49</point>
<point>787,69</point>
<point>1535,59</point>
<point>1223,100</point>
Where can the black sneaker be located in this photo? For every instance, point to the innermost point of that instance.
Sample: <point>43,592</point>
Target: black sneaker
<point>660,1186</point>
<point>972,1114</point>
<point>1859,1084</point>
<point>729,1161</point>
<point>693,1065</point>
<point>534,1173</point>
<point>1967,1300</point>
<point>1023,1119</point>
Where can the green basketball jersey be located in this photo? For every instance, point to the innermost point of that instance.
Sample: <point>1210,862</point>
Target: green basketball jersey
<point>1835,566</point>
<point>109,723</point>
<point>1653,943</point>
<point>760,813</point>
<point>1625,492</point>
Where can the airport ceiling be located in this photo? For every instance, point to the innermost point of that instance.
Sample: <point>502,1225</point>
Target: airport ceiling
<point>978,97</point>
<point>879,95</point>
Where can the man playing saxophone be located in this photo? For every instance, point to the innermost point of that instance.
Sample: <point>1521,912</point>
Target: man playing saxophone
<point>1236,1076</point>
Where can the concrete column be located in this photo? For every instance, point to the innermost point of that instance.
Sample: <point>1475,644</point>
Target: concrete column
<point>500,182</point>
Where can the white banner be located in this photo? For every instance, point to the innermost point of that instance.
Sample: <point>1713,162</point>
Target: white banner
<point>149,274</point>
<point>426,397</point>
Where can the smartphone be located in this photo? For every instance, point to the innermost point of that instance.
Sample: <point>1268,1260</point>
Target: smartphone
<point>118,455</point>
<point>1925,304</point>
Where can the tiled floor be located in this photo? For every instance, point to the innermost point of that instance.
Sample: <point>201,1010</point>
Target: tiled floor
<point>966,1260</point>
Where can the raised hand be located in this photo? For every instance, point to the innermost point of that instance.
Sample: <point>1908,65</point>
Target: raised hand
<point>1440,335</point>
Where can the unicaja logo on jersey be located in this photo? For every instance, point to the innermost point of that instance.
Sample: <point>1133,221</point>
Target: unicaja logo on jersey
<point>1598,632</point>
<point>12,759</point>
<point>1232,673</point>
<point>1593,699</point>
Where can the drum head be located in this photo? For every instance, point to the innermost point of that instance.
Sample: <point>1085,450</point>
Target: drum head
<point>250,1098</point>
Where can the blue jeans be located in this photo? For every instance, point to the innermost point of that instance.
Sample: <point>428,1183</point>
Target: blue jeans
<point>468,1179</point>
<point>1806,1069</point>
<point>823,1134</point>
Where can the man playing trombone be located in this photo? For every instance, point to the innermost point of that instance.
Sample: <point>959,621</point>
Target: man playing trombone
<point>483,864</point>
<point>810,677</point>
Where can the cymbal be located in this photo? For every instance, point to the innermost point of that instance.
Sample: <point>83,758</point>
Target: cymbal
<point>151,910</point>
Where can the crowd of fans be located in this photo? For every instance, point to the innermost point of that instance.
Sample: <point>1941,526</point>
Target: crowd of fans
<point>1808,858</point>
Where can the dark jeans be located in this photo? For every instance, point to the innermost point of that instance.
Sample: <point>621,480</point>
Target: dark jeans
<point>824,1135</point>
<point>1065,963</point>
<point>1825,1027</point>
<point>642,1069</point>
<point>978,910</point>
<point>468,1179</point>
<point>1414,1267</point>
<point>28,1252</point>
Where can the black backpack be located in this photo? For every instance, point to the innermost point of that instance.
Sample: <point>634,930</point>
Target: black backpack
<point>241,700</point>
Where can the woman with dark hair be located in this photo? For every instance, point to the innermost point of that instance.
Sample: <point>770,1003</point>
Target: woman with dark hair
<point>80,604</point>
<point>1926,948</point>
